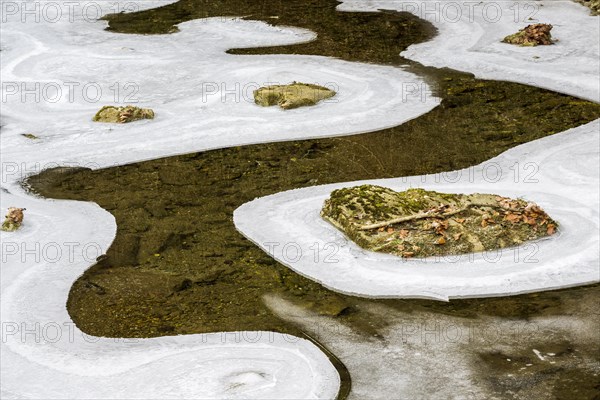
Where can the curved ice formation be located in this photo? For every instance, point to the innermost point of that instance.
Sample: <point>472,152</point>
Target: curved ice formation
<point>198,107</point>
<point>56,74</point>
<point>560,173</point>
<point>201,95</point>
<point>44,355</point>
<point>470,35</point>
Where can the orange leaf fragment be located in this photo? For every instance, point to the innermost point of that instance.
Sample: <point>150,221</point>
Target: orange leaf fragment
<point>514,218</point>
<point>529,220</point>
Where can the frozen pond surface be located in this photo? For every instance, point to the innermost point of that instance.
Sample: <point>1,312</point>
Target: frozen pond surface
<point>59,361</point>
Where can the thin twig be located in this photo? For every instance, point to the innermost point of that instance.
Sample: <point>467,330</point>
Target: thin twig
<point>430,215</point>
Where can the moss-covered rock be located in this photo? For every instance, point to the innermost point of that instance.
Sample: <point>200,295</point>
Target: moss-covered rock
<point>531,35</point>
<point>421,223</point>
<point>291,96</point>
<point>121,115</point>
<point>14,219</point>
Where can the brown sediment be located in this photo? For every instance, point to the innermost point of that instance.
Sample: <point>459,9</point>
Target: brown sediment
<point>178,265</point>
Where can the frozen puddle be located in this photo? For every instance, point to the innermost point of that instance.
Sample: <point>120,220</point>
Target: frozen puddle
<point>207,104</point>
<point>560,173</point>
<point>470,34</point>
<point>201,106</point>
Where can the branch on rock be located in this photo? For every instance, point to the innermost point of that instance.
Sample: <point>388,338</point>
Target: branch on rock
<point>430,214</point>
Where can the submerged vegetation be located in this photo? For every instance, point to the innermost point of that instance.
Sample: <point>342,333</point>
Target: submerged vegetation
<point>422,223</point>
<point>291,96</point>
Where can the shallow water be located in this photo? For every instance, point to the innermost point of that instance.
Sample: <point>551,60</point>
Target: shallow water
<point>178,266</point>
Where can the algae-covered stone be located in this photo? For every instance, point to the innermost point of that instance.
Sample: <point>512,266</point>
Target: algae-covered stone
<point>421,223</point>
<point>121,115</point>
<point>531,35</point>
<point>14,219</point>
<point>291,96</point>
